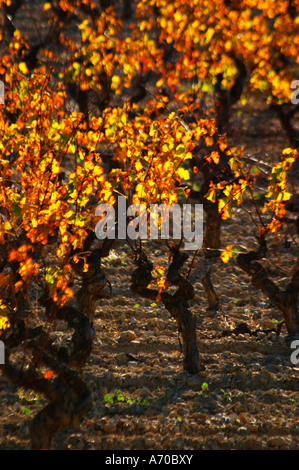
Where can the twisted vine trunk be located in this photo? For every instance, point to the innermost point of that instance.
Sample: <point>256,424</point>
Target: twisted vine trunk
<point>176,304</point>
<point>68,394</point>
<point>287,300</point>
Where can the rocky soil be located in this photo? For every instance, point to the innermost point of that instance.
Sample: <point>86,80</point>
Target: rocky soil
<point>245,397</point>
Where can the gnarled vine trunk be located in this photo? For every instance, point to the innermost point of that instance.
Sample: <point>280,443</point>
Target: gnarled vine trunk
<point>176,304</point>
<point>287,300</point>
<point>68,394</point>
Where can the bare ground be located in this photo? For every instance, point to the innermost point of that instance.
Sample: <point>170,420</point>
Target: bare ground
<point>246,396</point>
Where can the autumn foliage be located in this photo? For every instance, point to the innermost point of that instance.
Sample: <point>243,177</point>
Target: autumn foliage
<point>133,99</point>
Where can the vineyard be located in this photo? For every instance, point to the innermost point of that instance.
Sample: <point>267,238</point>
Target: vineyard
<point>115,339</point>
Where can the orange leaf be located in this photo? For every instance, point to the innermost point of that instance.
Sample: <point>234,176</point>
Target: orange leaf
<point>49,374</point>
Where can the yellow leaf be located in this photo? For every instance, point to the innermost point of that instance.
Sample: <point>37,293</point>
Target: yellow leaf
<point>55,167</point>
<point>4,322</point>
<point>115,82</point>
<point>215,157</point>
<point>159,270</point>
<point>7,225</point>
<point>138,166</point>
<point>211,196</point>
<point>179,151</point>
<point>227,254</point>
<point>184,174</point>
<point>286,151</point>
<point>225,209</point>
<point>23,68</point>
<point>139,190</point>
<point>209,35</point>
<point>286,196</point>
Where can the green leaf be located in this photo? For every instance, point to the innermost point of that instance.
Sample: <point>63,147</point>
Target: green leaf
<point>145,402</point>
<point>205,386</point>
<point>118,395</point>
<point>130,401</point>
<point>108,398</point>
<point>16,210</point>
<point>50,277</point>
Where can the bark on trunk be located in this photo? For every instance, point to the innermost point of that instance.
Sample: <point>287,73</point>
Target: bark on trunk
<point>285,300</point>
<point>68,395</point>
<point>213,299</point>
<point>176,304</point>
<point>212,235</point>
